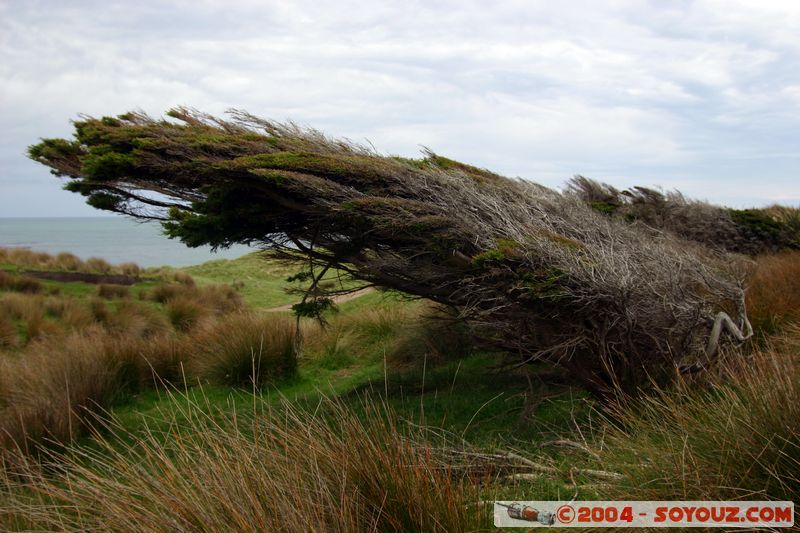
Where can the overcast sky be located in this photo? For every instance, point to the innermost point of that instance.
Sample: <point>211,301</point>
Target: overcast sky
<point>701,96</point>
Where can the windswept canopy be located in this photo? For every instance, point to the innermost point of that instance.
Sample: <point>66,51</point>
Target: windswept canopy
<point>537,272</point>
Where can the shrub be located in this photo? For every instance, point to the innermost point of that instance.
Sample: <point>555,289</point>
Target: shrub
<point>137,320</point>
<point>96,264</point>
<point>99,309</point>
<point>183,278</point>
<point>110,292</point>
<point>184,312</point>
<point>285,470</point>
<point>166,291</point>
<point>55,389</point>
<point>76,315</point>
<point>68,261</point>
<point>130,269</point>
<point>244,349</point>
<point>39,327</point>
<point>220,298</point>
<point>11,282</point>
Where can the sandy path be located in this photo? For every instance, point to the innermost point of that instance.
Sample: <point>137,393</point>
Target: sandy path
<point>341,298</point>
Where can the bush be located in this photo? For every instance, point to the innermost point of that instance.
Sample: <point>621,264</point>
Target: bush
<point>137,320</point>
<point>183,278</point>
<point>244,349</point>
<point>166,291</point>
<point>220,298</point>
<point>27,284</point>
<point>96,264</point>
<point>184,312</point>
<point>130,269</point>
<point>110,292</point>
<point>56,388</point>
<point>70,262</point>
<point>76,315</point>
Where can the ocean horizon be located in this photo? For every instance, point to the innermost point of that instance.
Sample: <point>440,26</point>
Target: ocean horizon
<point>116,239</point>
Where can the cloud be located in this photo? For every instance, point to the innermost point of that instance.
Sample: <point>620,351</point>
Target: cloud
<point>702,94</point>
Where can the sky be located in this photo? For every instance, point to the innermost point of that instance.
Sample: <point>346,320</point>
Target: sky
<point>699,96</point>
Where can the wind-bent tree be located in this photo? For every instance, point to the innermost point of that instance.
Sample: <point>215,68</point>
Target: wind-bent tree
<point>535,272</point>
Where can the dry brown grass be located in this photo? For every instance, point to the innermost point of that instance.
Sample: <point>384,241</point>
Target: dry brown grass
<point>183,278</point>
<point>95,353</point>
<point>22,306</point>
<point>738,439</point>
<point>243,349</point>
<point>99,265</point>
<point>53,386</point>
<point>185,312</point>
<point>285,469</point>
<point>76,315</point>
<point>64,261</point>
<point>130,269</point>
<point>221,299</point>
<point>774,294</point>
<point>137,320</point>
<point>69,262</point>
<point>112,292</point>
<point>166,291</point>
<point>10,282</point>
<point>8,330</point>
<point>52,391</point>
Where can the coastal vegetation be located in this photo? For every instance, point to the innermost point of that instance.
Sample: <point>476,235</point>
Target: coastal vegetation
<point>419,338</point>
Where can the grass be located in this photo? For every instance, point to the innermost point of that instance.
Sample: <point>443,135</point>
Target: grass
<point>773,298</point>
<point>388,382</point>
<point>287,469</point>
<point>261,279</point>
<point>244,349</point>
<point>737,439</point>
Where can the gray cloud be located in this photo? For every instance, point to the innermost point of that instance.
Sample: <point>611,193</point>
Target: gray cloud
<point>704,95</point>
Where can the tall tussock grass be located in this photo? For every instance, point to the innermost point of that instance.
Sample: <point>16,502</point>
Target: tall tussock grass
<point>349,338</point>
<point>244,349</point>
<point>56,385</point>
<point>8,330</point>
<point>11,282</point>
<point>738,439</point>
<point>773,298</point>
<point>286,469</point>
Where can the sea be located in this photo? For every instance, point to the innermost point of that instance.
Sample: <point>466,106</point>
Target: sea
<point>115,239</point>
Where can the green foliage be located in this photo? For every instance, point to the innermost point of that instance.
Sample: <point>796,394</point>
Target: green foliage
<point>544,283</point>
<point>314,308</point>
<point>50,149</point>
<point>107,166</point>
<point>303,275</point>
<point>488,257</point>
<point>506,248</point>
<point>755,221</point>
<point>104,200</point>
<point>606,208</point>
